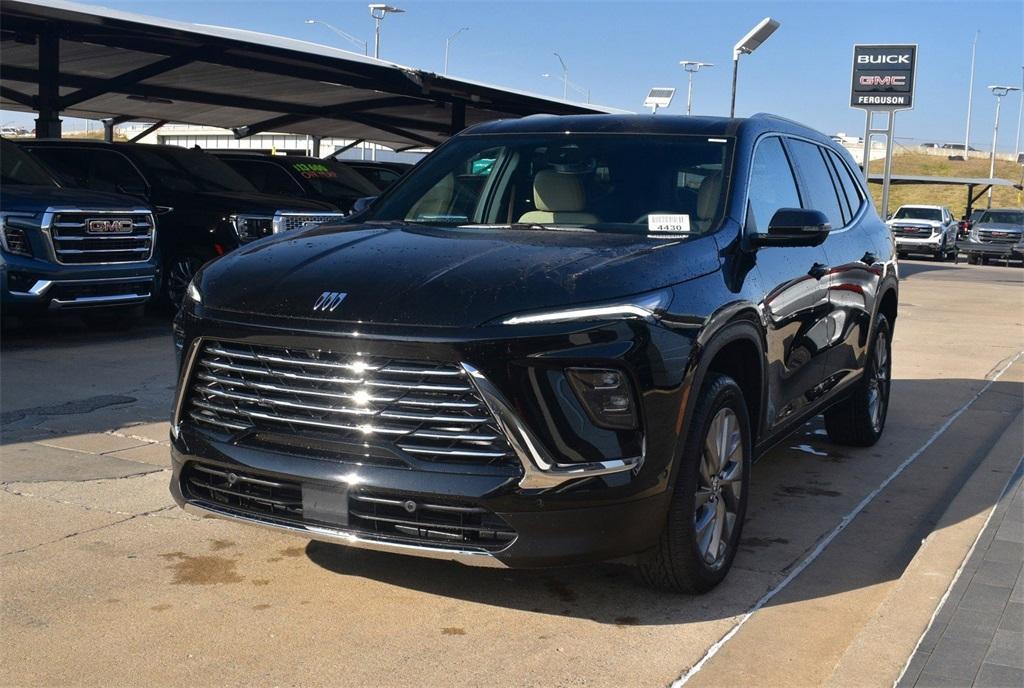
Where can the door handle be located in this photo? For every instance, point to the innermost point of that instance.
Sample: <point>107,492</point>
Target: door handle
<point>818,270</point>
<point>869,258</point>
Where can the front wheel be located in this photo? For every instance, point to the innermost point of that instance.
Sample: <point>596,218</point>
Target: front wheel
<point>858,421</point>
<point>177,274</point>
<point>705,518</point>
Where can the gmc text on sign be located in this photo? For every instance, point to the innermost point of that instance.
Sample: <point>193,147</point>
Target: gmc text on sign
<point>883,77</point>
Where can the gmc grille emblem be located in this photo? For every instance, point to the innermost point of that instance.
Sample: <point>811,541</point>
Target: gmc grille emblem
<point>328,301</point>
<point>116,225</point>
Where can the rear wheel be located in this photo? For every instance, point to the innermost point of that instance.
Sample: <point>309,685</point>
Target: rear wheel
<point>705,518</point>
<point>177,274</point>
<point>859,420</point>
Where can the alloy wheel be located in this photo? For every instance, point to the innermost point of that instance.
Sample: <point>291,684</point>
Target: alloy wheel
<point>719,487</point>
<point>179,274</point>
<point>879,382</point>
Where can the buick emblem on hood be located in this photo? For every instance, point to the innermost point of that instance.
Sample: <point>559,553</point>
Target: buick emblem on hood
<point>328,301</point>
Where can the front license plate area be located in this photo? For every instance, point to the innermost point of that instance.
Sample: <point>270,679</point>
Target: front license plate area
<point>325,504</point>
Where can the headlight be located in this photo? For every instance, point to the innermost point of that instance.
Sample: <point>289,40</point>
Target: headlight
<point>606,395</point>
<point>641,307</point>
<point>252,227</point>
<point>13,237</point>
<point>974,234</point>
<point>192,292</point>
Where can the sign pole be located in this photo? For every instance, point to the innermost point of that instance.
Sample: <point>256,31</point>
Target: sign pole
<point>887,174</point>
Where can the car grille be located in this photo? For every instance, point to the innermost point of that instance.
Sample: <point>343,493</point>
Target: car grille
<point>911,231</point>
<point>414,410</point>
<point>74,243</point>
<point>73,290</point>
<point>290,221</point>
<point>995,236</point>
<point>387,516</point>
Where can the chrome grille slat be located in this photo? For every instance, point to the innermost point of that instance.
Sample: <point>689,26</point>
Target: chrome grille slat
<point>425,411</point>
<point>68,228</point>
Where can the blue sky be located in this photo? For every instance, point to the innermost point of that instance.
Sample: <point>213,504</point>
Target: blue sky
<point>620,49</point>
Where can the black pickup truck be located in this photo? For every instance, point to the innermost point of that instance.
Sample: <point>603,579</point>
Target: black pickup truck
<point>70,249</point>
<point>204,208</point>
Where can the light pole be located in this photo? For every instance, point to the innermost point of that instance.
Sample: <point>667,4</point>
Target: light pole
<point>1020,112</point>
<point>691,67</point>
<point>970,99</point>
<point>748,44</point>
<point>998,92</point>
<point>574,86</point>
<point>378,11</point>
<point>447,43</point>
<point>565,77</point>
<point>348,37</point>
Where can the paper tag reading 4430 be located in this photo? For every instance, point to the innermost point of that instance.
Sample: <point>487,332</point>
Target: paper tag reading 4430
<point>668,224</point>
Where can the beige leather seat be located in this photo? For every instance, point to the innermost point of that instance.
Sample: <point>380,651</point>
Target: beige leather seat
<point>558,199</point>
<point>435,203</point>
<point>707,200</point>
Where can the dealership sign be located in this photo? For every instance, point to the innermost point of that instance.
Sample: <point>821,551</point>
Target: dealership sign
<point>883,77</point>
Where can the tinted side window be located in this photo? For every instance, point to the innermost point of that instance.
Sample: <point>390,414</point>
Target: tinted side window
<point>819,192</point>
<point>850,188</point>
<point>111,171</point>
<point>69,166</point>
<point>771,183</point>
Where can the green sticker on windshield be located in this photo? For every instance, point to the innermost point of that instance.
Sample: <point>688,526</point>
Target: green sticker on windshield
<point>313,170</point>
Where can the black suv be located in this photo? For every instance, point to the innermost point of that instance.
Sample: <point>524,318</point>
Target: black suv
<point>301,177</point>
<point>558,339</point>
<point>70,249</point>
<point>204,208</point>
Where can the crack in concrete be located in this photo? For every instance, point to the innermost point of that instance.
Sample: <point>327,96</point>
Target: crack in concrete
<point>68,408</point>
<point>85,532</point>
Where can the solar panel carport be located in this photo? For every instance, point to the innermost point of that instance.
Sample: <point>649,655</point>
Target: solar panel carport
<point>969,182</point>
<point>96,63</point>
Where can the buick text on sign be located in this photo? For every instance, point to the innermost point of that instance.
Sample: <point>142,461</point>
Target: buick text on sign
<point>883,77</point>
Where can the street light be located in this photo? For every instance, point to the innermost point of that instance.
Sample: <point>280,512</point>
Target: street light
<point>998,92</point>
<point>583,91</point>
<point>346,36</point>
<point>691,67</point>
<point>970,99</point>
<point>378,11</point>
<point>748,44</point>
<point>448,42</point>
<point>565,77</point>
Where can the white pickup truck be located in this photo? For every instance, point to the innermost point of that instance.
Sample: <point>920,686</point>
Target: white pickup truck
<point>928,229</point>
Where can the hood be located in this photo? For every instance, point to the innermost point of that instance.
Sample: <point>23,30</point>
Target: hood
<point>227,202</point>
<point>914,223</point>
<point>36,199</point>
<point>411,274</point>
<point>999,227</point>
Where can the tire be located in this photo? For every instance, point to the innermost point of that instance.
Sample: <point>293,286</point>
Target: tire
<point>972,259</point>
<point>858,421</point>
<point>679,562</point>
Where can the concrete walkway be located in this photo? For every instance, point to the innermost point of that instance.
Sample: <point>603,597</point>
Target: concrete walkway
<point>976,636</point>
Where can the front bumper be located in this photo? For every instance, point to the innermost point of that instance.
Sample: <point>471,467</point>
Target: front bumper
<point>991,249</point>
<point>30,285</point>
<point>931,244</point>
<point>564,505</point>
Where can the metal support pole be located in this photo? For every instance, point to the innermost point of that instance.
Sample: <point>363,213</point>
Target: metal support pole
<point>992,162</point>
<point>48,121</point>
<point>888,163</point>
<point>689,93</point>
<point>735,73</point>
<point>866,155</point>
<point>315,146</point>
<point>458,122</point>
<point>376,37</point>
<point>108,130</point>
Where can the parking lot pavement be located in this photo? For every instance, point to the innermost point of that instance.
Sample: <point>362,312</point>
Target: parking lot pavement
<point>105,583</point>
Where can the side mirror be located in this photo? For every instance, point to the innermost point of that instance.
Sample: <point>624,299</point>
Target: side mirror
<point>362,204</point>
<point>795,227</point>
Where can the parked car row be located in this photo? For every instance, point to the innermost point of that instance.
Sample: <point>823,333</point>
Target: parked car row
<point>931,230</point>
<point>106,225</point>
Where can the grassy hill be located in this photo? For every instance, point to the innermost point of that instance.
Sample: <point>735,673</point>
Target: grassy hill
<point>955,197</point>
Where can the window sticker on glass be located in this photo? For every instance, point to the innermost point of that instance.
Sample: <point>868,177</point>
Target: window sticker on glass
<point>668,224</point>
<point>314,171</point>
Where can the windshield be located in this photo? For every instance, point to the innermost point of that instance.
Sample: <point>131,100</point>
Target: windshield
<point>637,184</point>
<point>904,213</point>
<point>18,167</point>
<point>1004,217</point>
<point>182,169</point>
<point>333,180</point>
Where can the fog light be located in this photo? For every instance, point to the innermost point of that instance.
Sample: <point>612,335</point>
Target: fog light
<point>605,395</point>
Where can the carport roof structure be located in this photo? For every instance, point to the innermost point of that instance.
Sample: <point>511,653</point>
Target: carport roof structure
<point>95,63</point>
<point>970,182</point>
